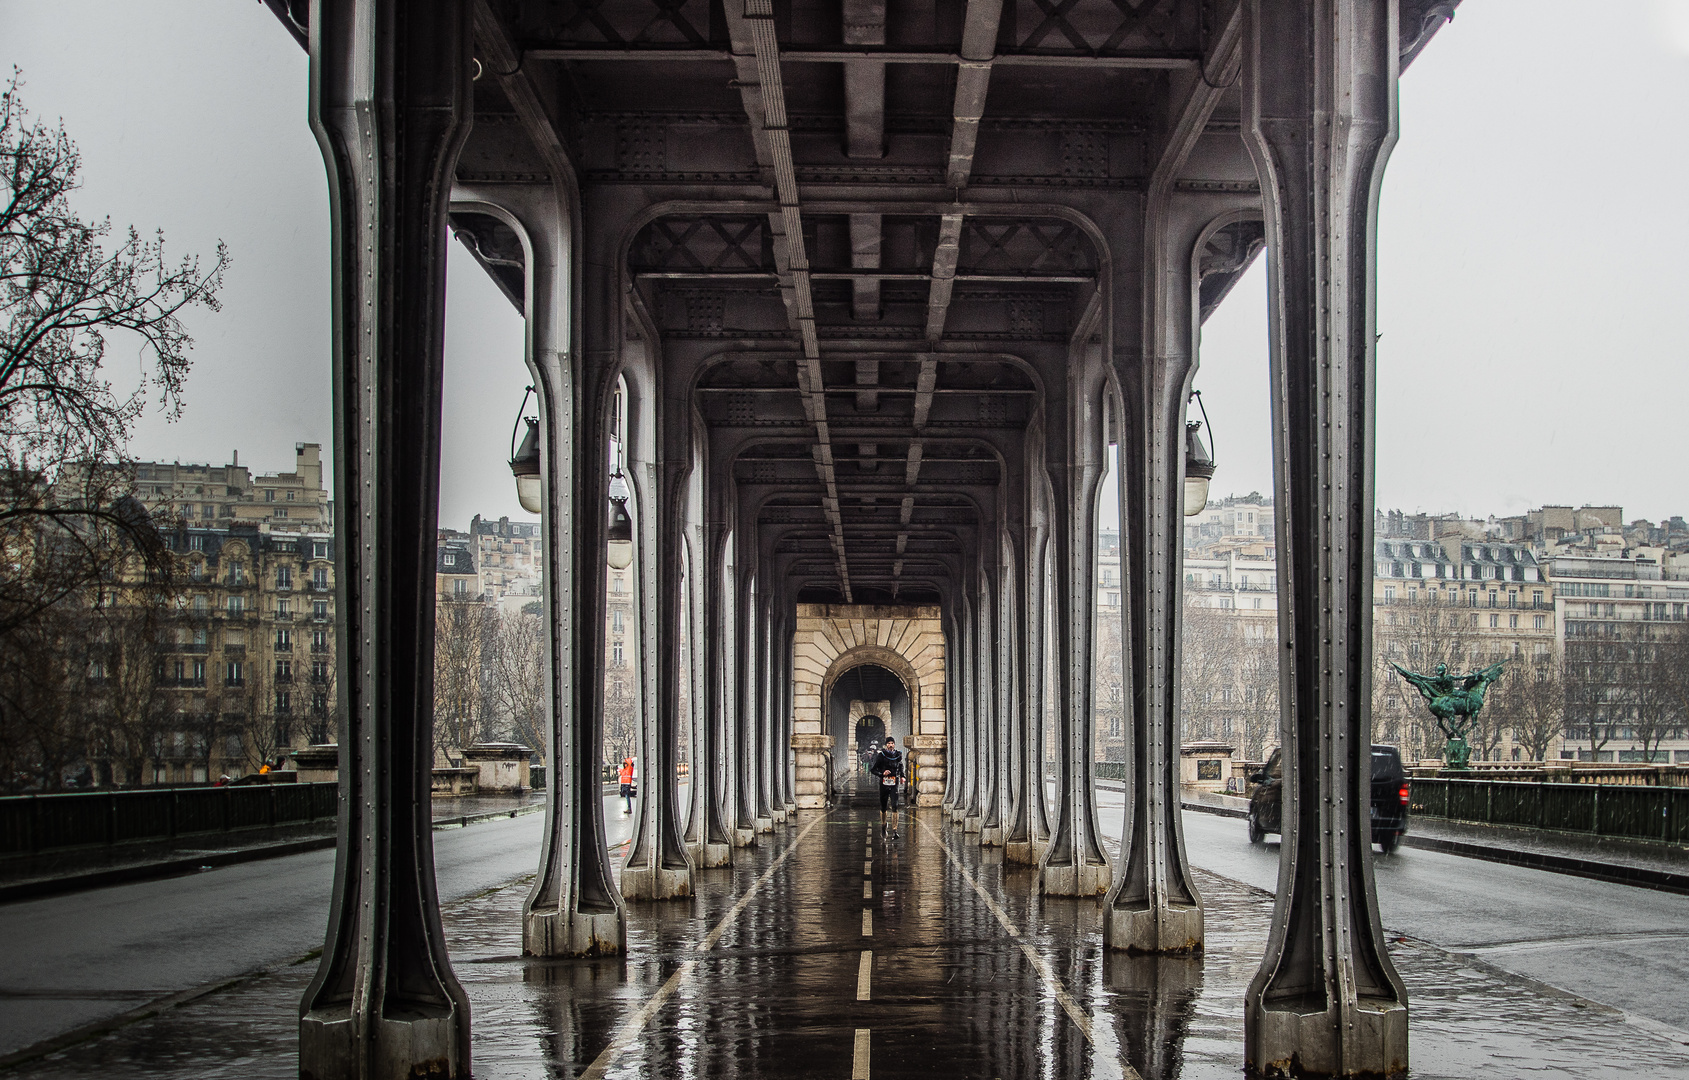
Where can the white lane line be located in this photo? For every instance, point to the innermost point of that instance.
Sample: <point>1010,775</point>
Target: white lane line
<point>1039,964</point>
<point>868,868</point>
<point>867,890</point>
<point>867,922</point>
<point>631,1028</point>
<point>864,972</point>
<point>859,1059</point>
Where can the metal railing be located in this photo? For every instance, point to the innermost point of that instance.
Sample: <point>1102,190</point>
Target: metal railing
<point>30,824</point>
<point>1619,810</point>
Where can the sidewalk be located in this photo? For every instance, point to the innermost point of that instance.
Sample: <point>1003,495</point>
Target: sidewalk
<point>781,993</point>
<point>91,868</point>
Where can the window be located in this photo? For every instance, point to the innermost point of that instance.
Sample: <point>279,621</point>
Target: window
<point>237,572</point>
<point>319,700</point>
<point>199,605</point>
<point>284,670</point>
<point>196,572</point>
<point>449,558</point>
<point>284,640</point>
<point>179,672</point>
<point>284,701</point>
<point>1108,577</point>
<point>1257,603</point>
<point>290,496</point>
<point>1495,621</point>
<point>284,577</point>
<point>319,578</point>
<point>616,654</point>
<point>284,609</point>
<point>319,671</point>
<point>460,588</point>
<point>1513,622</point>
<point>1493,598</point>
<point>228,511</point>
<point>319,548</point>
<point>237,606</point>
<point>269,494</point>
<point>234,675</point>
<point>199,672</point>
<point>1390,594</point>
<point>1537,621</point>
<point>196,542</point>
<point>281,513</point>
<point>207,511</point>
<point>319,641</point>
<point>616,622</point>
<point>319,610</point>
<point>618,584</point>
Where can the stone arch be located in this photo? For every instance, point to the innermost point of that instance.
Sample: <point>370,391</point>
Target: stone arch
<point>880,656</point>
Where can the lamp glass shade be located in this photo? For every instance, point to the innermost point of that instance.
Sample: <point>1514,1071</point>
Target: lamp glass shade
<point>528,492</point>
<point>1196,495</point>
<point>618,547</point>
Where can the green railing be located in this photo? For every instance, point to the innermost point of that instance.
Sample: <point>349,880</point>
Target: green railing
<point>1110,770</point>
<point>30,824</point>
<point>1621,810</point>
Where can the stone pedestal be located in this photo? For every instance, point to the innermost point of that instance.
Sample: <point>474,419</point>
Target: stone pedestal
<point>927,751</point>
<point>503,767</point>
<point>1205,766</point>
<point>317,764</point>
<point>811,770</point>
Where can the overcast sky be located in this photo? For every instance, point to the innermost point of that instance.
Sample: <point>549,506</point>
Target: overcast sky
<point>1532,294</point>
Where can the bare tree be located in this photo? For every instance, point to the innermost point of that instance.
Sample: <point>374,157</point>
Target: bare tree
<point>1530,701</point>
<point>518,682</point>
<point>1649,697</point>
<point>462,642</point>
<point>63,427</point>
<point>1591,678</point>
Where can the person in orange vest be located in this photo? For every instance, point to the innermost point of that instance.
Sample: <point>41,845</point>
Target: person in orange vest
<point>628,790</point>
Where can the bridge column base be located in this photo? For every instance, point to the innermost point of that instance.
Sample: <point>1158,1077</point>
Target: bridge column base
<point>1174,928</point>
<point>1088,879</point>
<point>970,824</point>
<point>743,837</point>
<point>1367,1038</point>
<point>656,883</point>
<point>763,824</point>
<point>991,836</point>
<point>573,933</point>
<point>1025,852</point>
<point>331,1045</point>
<point>710,854</point>
<point>777,815</point>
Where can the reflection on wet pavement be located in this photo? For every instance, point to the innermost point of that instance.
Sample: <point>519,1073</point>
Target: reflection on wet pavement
<point>950,991</point>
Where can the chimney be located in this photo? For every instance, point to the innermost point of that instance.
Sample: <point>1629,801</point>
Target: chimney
<point>234,458</point>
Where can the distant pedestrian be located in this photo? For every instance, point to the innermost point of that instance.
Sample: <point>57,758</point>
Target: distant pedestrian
<point>888,767</point>
<point>628,790</point>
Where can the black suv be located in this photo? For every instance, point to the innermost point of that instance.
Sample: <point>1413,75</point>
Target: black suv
<point>1389,798</point>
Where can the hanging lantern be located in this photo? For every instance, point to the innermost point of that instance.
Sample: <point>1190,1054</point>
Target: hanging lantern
<point>618,547</point>
<point>525,461</point>
<point>525,466</point>
<point>1199,463</point>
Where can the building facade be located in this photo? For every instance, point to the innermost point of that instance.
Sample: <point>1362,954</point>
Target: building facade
<point>222,495</point>
<point>1612,614</point>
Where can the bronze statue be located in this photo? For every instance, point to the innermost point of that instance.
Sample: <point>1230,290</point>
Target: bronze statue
<point>1454,700</point>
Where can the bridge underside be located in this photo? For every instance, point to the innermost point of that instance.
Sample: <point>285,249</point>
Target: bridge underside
<point>856,295</point>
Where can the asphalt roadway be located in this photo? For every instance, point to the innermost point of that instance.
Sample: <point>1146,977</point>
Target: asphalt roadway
<point>1619,945</point>
<point>86,957</point>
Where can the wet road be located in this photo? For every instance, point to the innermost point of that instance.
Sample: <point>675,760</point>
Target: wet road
<point>76,959</point>
<point>1615,944</point>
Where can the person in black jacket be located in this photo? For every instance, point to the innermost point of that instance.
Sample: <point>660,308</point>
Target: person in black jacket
<point>887,767</point>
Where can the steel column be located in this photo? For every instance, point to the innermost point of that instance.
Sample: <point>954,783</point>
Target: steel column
<point>390,101</point>
<point>1319,92</point>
